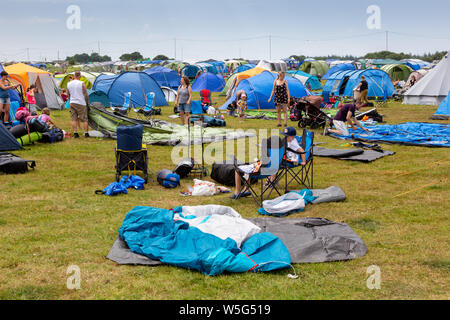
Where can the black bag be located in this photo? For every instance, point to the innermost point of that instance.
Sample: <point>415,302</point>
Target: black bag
<point>18,131</point>
<point>223,173</point>
<point>10,163</point>
<point>184,167</point>
<point>37,125</point>
<point>54,135</point>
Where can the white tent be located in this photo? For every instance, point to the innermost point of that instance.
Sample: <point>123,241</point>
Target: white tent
<point>433,87</point>
<point>170,94</point>
<point>275,66</point>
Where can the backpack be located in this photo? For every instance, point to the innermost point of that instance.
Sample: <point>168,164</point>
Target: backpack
<point>37,125</point>
<point>10,163</point>
<point>168,179</point>
<point>22,113</point>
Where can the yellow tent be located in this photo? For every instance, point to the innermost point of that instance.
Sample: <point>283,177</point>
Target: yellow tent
<point>47,94</point>
<point>241,76</point>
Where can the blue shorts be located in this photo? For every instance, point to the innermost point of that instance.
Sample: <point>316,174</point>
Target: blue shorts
<point>5,101</point>
<point>184,107</point>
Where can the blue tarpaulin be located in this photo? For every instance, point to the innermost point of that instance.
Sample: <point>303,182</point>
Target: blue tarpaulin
<point>410,133</point>
<point>155,233</point>
<point>444,107</point>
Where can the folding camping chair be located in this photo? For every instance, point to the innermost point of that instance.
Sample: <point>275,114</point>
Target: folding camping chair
<point>126,105</point>
<point>197,117</point>
<point>205,96</point>
<point>146,112</point>
<point>131,154</point>
<point>269,173</point>
<point>303,175</point>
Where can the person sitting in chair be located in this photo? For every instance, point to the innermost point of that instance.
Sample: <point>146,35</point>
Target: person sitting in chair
<point>292,154</point>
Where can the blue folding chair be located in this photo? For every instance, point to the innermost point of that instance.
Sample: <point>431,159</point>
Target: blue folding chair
<point>269,173</point>
<point>126,105</point>
<point>303,175</point>
<point>149,110</point>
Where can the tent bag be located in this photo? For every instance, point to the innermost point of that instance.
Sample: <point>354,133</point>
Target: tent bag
<point>54,135</point>
<point>184,167</point>
<point>129,138</point>
<point>168,179</point>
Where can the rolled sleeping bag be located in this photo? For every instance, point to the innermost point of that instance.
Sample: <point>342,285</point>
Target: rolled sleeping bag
<point>168,179</point>
<point>29,139</point>
<point>18,131</point>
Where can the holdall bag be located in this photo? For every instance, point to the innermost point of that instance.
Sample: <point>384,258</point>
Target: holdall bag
<point>168,179</point>
<point>184,167</point>
<point>12,164</point>
<point>18,131</point>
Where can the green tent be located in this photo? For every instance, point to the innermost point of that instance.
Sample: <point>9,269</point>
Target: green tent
<point>315,68</point>
<point>87,77</point>
<point>228,85</point>
<point>397,71</point>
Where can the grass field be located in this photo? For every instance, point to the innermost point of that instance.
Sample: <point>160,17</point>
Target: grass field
<point>50,219</point>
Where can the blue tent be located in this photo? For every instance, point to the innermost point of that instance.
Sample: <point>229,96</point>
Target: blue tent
<point>259,87</point>
<point>342,83</point>
<point>1,68</point>
<point>415,64</point>
<point>208,67</point>
<point>209,81</point>
<point>13,94</point>
<point>444,107</point>
<point>7,140</point>
<point>191,70</point>
<point>311,82</point>
<point>244,67</point>
<point>339,67</point>
<point>165,77</point>
<point>138,83</point>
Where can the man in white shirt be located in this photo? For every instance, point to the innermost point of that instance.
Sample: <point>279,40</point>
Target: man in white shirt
<point>78,100</point>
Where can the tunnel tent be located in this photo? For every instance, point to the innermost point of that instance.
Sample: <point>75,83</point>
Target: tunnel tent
<point>138,83</point>
<point>342,83</point>
<point>241,76</point>
<point>312,83</point>
<point>397,71</point>
<point>259,87</point>
<point>47,93</point>
<point>336,68</point>
<point>315,68</point>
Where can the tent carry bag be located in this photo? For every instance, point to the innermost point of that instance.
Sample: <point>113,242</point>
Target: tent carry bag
<point>11,164</point>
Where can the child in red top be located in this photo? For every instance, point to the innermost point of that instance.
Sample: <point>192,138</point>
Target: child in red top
<point>31,98</point>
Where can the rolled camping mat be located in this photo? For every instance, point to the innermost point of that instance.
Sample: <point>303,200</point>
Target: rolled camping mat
<point>29,139</point>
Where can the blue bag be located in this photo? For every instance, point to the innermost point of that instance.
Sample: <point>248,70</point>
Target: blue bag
<point>113,189</point>
<point>133,181</point>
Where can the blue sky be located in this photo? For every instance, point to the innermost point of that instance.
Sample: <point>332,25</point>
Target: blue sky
<point>221,29</point>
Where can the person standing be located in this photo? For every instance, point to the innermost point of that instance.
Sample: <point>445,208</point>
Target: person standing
<point>281,91</point>
<point>363,88</point>
<point>5,101</point>
<point>31,99</point>
<point>79,101</point>
<point>184,99</point>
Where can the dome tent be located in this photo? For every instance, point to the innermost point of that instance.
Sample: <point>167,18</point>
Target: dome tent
<point>138,83</point>
<point>244,67</point>
<point>209,81</point>
<point>259,87</point>
<point>315,68</point>
<point>165,77</point>
<point>342,83</point>
<point>309,81</point>
<point>397,71</point>
<point>338,67</point>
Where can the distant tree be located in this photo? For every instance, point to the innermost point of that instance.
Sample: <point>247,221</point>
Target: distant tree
<point>160,57</point>
<point>131,56</point>
<point>86,58</point>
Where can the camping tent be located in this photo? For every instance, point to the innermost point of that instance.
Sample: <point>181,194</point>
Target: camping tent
<point>309,81</point>
<point>397,71</point>
<point>415,64</point>
<point>244,67</point>
<point>259,87</point>
<point>315,68</point>
<point>275,66</point>
<point>165,77</point>
<point>444,107</point>
<point>382,62</point>
<point>169,94</point>
<point>338,67</point>
<point>208,81</point>
<point>7,140</point>
<point>191,70</point>
<point>87,77</point>
<point>342,83</point>
<point>101,97</point>
<point>47,94</point>
<point>433,87</point>
<point>241,76</point>
<point>138,83</point>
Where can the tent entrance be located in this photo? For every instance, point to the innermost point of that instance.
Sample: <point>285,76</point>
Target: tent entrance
<point>343,85</point>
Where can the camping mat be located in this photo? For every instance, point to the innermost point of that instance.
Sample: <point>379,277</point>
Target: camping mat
<point>409,133</point>
<point>307,239</point>
<point>159,131</point>
<point>351,154</point>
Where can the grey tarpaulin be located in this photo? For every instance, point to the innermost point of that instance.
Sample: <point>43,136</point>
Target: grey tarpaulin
<point>331,194</point>
<point>307,239</point>
<point>351,154</point>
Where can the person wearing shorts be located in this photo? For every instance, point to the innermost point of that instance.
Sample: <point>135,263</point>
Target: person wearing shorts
<point>5,101</point>
<point>79,101</point>
<point>184,99</point>
<point>345,114</point>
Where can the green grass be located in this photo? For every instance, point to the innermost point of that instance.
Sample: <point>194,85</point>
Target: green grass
<point>50,218</point>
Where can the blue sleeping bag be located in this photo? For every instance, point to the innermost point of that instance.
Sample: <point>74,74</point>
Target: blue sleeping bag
<point>153,232</point>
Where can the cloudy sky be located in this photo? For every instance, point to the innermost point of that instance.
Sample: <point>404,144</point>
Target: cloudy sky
<point>201,29</point>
